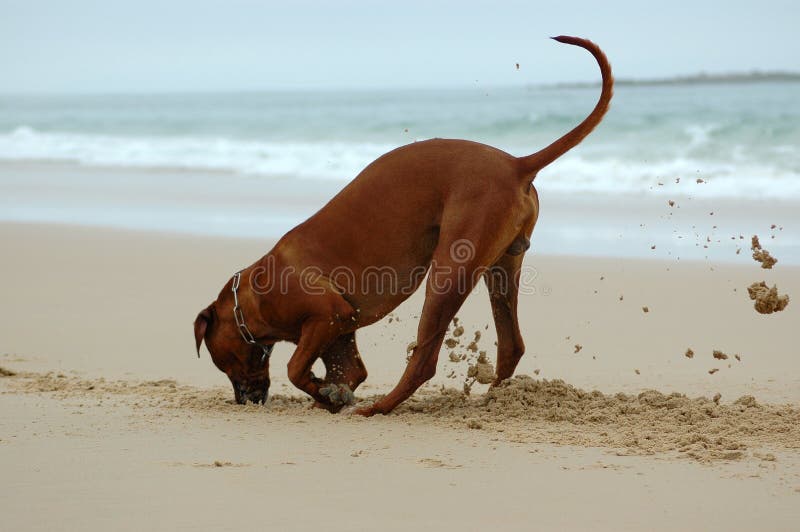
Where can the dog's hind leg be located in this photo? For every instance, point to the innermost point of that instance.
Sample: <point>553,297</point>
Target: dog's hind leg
<point>456,267</point>
<point>344,371</point>
<point>503,283</point>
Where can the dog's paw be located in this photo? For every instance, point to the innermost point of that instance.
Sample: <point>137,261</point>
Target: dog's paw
<point>366,411</point>
<point>363,408</point>
<point>338,394</point>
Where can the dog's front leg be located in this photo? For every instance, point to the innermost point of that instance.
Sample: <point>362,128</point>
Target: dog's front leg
<point>344,371</point>
<point>316,335</point>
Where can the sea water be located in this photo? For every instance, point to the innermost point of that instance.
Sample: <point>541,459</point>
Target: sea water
<point>746,137</point>
<point>741,139</point>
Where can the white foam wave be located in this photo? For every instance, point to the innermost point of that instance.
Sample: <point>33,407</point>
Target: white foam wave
<point>602,172</point>
<point>334,160</point>
<point>719,179</point>
<point>699,134</point>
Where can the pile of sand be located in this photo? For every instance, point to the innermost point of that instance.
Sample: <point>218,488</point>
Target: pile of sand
<point>522,409</point>
<point>767,299</point>
<point>761,255</point>
<point>160,394</point>
<point>531,410</point>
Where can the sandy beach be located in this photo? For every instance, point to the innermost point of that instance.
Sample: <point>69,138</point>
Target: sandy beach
<point>110,420</point>
<point>150,150</point>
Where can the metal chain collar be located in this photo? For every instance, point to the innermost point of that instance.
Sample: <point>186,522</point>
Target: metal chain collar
<point>238,316</point>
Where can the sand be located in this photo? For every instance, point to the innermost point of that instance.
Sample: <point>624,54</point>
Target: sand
<point>522,410</point>
<point>767,299</point>
<point>761,255</point>
<point>482,371</point>
<point>110,413</point>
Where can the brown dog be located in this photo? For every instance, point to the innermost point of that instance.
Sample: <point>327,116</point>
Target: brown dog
<point>454,209</point>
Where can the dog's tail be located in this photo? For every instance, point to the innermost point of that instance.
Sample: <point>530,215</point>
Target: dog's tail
<point>531,164</point>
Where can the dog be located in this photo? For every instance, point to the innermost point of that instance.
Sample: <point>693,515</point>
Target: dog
<point>455,210</point>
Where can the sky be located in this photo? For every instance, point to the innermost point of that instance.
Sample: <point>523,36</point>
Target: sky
<point>92,46</point>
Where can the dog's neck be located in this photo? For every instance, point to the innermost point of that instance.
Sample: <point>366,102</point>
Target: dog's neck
<point>240,297</point>
<point>255,307</point>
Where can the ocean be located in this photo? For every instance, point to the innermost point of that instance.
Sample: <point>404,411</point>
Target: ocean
<point>741,139</point>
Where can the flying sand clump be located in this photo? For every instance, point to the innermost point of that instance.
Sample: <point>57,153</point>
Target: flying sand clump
<point>767,299</point>
<point>479,369</point>
<point>482,371</point>
<point>761,255</point>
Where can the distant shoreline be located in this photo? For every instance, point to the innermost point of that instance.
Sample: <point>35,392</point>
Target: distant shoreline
<point>694,79</point>
<point>733,78</point>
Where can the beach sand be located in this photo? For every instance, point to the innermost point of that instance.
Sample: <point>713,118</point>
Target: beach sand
<point>110,420</point>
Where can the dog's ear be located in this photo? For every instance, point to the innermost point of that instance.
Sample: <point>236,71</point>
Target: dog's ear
<point>201,324</point>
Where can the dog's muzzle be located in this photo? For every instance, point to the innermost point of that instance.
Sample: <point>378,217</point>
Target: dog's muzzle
<point>253,393</point>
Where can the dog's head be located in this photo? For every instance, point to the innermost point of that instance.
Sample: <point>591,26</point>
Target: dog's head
<point>246,365</point>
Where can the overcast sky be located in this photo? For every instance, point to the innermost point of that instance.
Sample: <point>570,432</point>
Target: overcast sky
<point>204,45</point>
